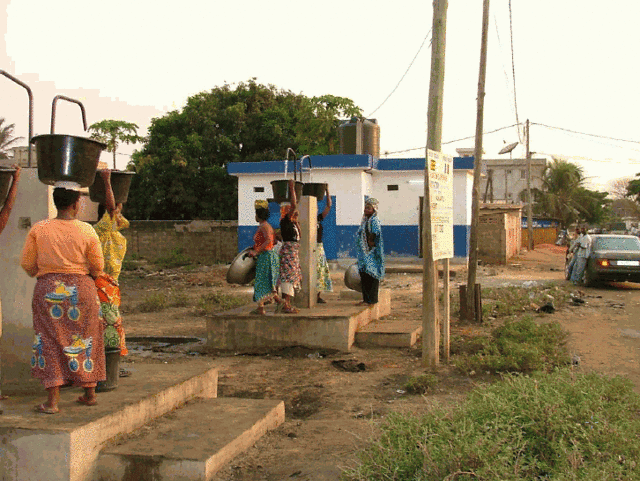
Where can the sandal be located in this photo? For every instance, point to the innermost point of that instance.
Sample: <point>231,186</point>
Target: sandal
<point>290,310</point>
<point>124,372</point>
<point>258,311</point>
<point>44,409</point>
<point>86,401</point>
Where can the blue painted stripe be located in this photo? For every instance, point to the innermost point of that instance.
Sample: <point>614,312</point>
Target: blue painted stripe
<point>399,241</point>
<point>463,163</point>
<point>317,162</point>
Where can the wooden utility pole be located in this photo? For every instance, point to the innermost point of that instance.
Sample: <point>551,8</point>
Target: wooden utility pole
<point>430,325</point>
<point>529,200</point>
<point>477,168</point>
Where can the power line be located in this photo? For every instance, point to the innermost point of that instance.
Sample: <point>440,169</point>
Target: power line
<point>403,76</point>
<point>513,69</point>
<point>584,133</point>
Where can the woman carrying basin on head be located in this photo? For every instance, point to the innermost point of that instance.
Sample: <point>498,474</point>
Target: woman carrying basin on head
<point>290,273</point>
<point>370,249</point>
<point>323,275</point>
<point>64,254</point>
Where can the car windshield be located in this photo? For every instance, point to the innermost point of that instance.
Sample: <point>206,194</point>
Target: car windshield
<point>616,244</point>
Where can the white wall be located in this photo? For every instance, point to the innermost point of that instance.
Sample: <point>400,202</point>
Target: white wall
<point>462,189</point>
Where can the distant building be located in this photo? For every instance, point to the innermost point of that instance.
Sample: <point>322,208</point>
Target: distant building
<point>506,179</point>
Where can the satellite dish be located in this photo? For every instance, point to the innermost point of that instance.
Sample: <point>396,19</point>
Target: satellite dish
<point>508,148</point>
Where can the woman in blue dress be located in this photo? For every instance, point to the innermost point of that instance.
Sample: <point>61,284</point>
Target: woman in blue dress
<point>370,249</point>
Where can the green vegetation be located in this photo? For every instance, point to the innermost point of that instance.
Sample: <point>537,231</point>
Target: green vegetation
<point>216,301</point>
<point>560,426</point>
<point>421,384</point>
<point>516,346</point>
<point>175,258</point>
<point>113,132</point>
<point>179,299</point>
<point>181,168</point>
<point>154,302</point>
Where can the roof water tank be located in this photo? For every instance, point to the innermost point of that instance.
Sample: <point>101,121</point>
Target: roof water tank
<point>360,136</point>
<point>371,138</point>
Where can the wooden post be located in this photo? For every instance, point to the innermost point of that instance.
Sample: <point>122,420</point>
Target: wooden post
<point>529,200</point>
<point>430,325</point>
<point>477,167</point>
<point>446,316</point>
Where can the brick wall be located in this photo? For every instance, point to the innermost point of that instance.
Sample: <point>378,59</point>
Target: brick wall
<point>492,238</point>
<point>207,242</point>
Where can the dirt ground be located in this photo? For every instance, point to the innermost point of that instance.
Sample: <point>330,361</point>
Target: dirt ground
<point>330,413</point>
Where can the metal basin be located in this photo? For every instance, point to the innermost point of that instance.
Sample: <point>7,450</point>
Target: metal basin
<point>314,189</point>
<point>67,158</point>
<point>242,269</point>
<point>120,184</point>
<point>352,278</point>
<point>281,190</point>
<point>6,179</point>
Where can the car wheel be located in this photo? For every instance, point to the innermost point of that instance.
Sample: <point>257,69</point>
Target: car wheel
<point>589,278</point>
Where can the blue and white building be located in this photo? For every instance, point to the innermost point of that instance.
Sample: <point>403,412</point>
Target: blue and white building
<point>397,183</point>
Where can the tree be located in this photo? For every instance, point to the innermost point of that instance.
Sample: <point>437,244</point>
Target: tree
<point>618,188</point>
<point>633,188</point>
<point>181,169</point>
<point>564,197</point>
<point>112,132</point>
<point>6,138</point>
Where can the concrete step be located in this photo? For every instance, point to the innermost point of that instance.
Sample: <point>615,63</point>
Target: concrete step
<point>65,446</point>
<point>331,326</point>
<point>389,333</point>
<point>192,442</point>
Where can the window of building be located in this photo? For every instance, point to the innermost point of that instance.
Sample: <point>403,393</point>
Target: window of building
<point>508,171</point>
<point>523,173</point>
<point>392,187</point>
<point>258,189</point>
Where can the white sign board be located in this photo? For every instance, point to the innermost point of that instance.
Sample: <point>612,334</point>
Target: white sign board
<point>440,172</point>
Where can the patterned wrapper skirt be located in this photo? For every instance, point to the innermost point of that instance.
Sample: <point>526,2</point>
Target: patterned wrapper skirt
<point>267,268</point>
<point>290,264</point>
<point>68,346</point>
<point>322,270</point>
<point>109,296</point>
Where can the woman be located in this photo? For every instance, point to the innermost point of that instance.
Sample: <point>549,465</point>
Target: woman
<point>290,273</point>
<point>63,253</point>
<point>267,262</point>
<point>114,248</point>
<point>11,199</point>
<point>323,275</point>
<point>370,249</point>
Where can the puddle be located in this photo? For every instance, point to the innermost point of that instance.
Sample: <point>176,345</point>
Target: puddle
<point>160,343</point>
<point>630,333</point>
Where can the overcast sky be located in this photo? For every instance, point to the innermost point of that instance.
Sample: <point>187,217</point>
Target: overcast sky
<point>574,63</point>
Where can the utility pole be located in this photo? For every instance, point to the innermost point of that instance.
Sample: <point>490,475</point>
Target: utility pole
<point>477,169</point>
<point>529,200</point>
<point>430,325</point>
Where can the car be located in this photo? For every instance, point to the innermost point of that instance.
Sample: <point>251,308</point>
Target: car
<point>613,258</point>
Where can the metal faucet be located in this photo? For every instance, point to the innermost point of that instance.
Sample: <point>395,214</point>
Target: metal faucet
<point>30,94</point>
<point>69,99</point>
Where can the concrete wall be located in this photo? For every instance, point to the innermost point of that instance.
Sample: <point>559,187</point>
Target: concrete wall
<point>16,288</point>
<point>500,236</point>
<point>208,242</point>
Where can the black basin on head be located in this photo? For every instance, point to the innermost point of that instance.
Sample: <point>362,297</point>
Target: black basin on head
<point>120,183</point>
<point>67,158</point>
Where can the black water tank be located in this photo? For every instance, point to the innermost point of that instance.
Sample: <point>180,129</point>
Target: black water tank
<point>360,136</point>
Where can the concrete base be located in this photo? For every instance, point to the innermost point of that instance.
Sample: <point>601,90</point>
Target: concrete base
<point>193,442</point>
<point>65,446</point>
<point>390,333</point>
<point>332,325</point>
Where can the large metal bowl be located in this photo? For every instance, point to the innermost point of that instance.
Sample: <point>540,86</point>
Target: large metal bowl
<point>352,278</point>
<point>242,269</point>
<point>120,184</point>
<point>6,179</point>
<point>67,158</point>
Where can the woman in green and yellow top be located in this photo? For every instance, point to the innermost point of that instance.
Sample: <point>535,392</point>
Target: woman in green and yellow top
<point>114,248</point>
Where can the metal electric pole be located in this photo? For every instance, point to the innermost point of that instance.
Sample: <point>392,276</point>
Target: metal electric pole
<point>430,325</point>
<point>529,200</point>
<point>477,169</point>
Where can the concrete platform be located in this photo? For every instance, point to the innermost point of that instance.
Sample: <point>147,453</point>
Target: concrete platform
<point>191,443</point>
<point>332,325</point>
<point>65,446</point>
<point>389,333</point>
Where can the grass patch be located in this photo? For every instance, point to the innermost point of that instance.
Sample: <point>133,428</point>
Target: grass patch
<point>421,384</point>
<point>156,301</point>
<point>175,258</point>
<point>557,426</point>
<point>216,301</point>
<point>179,299</point>
<point>517,346</point>
<point>131,262</point>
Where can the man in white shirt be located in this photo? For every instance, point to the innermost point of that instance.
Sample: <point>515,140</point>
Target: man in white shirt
<point>582,249</point>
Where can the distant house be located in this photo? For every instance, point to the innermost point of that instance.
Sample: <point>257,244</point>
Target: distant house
<point>506,179</point>
<point>396,183</point>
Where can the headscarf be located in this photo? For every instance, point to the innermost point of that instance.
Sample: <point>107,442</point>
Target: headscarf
<point>261,204</point>
<point>373,202</point>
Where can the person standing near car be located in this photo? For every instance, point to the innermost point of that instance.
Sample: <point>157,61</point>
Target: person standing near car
<point>571,249</point>
<point>582,249</point>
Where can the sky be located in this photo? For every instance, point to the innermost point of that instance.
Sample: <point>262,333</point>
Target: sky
<point>138,59</point>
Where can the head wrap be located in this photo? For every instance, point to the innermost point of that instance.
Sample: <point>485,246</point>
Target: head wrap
<point>373,202</point>
<point>261,204</point>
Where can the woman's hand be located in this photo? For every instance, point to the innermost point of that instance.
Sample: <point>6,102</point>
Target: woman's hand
<point>16,173</point>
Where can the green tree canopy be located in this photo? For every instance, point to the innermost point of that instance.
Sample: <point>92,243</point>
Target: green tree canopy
<point>113,132</point>
<point>564,197</point>
<point>181,169</point>
<point>633,188</point>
